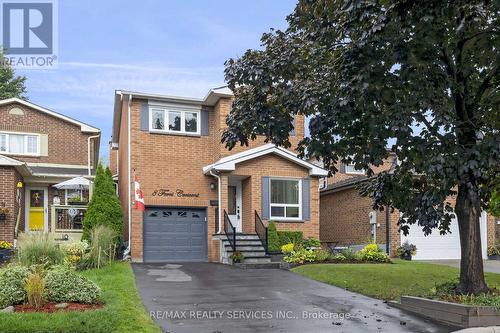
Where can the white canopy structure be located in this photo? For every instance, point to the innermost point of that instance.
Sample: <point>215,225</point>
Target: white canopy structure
<point>74,184</point>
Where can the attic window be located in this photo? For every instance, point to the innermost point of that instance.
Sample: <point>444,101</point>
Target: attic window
<point>16,111</point>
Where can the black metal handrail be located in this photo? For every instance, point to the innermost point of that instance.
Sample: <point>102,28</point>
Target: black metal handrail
<point>261,230</point>
<point>230,231</point>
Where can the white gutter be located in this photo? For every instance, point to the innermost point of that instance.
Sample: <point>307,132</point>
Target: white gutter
<point>88,150</point>
<point>219,195</point>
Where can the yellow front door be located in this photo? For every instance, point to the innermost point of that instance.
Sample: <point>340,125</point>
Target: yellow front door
<point>36,205</point>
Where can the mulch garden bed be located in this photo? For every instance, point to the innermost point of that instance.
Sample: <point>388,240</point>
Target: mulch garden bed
<point>51,307</point>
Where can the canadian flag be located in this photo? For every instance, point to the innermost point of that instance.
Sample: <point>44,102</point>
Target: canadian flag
<point>139,198</point>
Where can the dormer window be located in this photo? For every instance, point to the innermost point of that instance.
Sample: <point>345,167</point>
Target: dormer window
<point>174,121</point>
<point>20,144</point>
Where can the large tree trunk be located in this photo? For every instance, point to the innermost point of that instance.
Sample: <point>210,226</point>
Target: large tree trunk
<point>468,210</point>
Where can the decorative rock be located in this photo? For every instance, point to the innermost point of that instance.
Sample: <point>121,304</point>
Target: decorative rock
<point>61,306</point>
<point>8,309</point>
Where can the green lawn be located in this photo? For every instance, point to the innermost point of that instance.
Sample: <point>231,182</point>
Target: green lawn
<point>122,313</point>
<point>387,281</point>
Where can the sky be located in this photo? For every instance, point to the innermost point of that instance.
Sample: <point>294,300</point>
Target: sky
<point>167,47</point>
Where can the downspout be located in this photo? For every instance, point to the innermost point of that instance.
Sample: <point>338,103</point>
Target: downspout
<point>127,251</point>
<point>387,231</point>
<point>219,197</point>
<point>88,150</point>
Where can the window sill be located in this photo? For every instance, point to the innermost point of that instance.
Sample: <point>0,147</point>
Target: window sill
<point>196,135</point>
<point>287,221</point>
<point>19,154</point>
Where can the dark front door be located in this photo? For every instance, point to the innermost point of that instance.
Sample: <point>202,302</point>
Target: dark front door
<point>175,234</point>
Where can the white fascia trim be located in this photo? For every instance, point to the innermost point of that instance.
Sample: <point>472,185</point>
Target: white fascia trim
<point>56,165</point>
<point>7,161</point>
<point>60,175</point>
<point>84,127</point>
<point>229,163</point>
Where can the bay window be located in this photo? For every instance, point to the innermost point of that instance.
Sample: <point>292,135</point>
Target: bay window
<point>285,199</point>
<point>19,144</point>
<point>174,121</point>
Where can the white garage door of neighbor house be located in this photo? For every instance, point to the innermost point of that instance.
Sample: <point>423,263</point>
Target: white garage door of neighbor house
<point>436,246</point>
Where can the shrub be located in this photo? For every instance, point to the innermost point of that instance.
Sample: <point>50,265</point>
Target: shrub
<point>102,248</point>
<point>300,257</point>
<point>104,207</point>
<point>322,254</point>
<point>11,285</point>
<point>34,285</point>
<point>311,242</point>
<point>64,285</point>
<point>74,252</point>
<point>287,248</point>
<point>338,257</point>
<point>372,252</point>
<point>348,253</point>
<point>406,248</point>
<point>237,257</point>
<point>38,248</point>
<point>273,242</point>
<point>287,237</point>
<point>448,292</point>
<point>494,249</point>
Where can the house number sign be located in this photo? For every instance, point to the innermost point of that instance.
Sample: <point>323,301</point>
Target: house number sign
<point>161,192</point>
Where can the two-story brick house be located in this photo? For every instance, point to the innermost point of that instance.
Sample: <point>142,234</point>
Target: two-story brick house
<point>40,148</point>
<point>347,219</point>
<point>197,193</point>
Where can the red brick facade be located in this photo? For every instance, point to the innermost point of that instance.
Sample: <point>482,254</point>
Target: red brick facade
<point>344,218</point>
<point>176,162</point>
<point>67,149</point>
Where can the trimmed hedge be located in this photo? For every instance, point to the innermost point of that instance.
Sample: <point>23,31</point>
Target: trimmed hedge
<point>276,239</point>
<point>11,285</point>
<point>63,285</point>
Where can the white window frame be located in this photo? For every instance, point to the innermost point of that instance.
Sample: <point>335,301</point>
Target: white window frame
<point>299,205</point>
<point>183,112</point>
<point>25,143</point>
<point>352,169</point>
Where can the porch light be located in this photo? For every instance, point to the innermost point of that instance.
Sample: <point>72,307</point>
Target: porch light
<point>19,184</point>
<point>212,186</point>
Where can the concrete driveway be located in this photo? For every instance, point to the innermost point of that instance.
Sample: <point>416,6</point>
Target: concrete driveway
<point>205,297</point>
<point>492,266</point>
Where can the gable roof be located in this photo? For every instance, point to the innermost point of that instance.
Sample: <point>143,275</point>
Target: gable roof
<point>84,127</point>
<point>228,163</point>
<point>23,169</point>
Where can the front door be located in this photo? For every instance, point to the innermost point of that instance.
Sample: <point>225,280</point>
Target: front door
<point>234,204</point>
<point>36,200</point>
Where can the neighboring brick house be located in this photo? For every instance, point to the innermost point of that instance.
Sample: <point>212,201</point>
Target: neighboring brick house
<point>347,219</point>
<point>195,190</point>
<point>40,148</point>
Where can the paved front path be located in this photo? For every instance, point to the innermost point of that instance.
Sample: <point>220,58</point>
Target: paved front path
<point>205,297</point>
<point>492,266</point>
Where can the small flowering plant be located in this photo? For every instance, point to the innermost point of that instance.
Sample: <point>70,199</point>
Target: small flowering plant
<point>74,252</point>
<point>5,245</point>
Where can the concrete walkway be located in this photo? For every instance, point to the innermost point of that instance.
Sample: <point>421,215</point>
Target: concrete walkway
<point>492,266</point>
<point>205,297</point>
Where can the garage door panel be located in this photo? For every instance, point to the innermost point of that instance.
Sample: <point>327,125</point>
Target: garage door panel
<point>175,235</point>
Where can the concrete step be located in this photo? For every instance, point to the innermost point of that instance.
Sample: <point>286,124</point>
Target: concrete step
<point>257,260</point>
<point>250,254</point>
<point>244,243</point>
<point>243,247</point>
<point>242,237</point>
<point>258,265</point>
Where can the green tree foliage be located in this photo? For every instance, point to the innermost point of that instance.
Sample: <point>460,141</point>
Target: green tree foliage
<point>421,78</point>
<point>10,84</point>
<point>104,207</point>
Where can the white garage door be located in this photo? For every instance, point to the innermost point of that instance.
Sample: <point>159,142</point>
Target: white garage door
<point>436,246</point>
